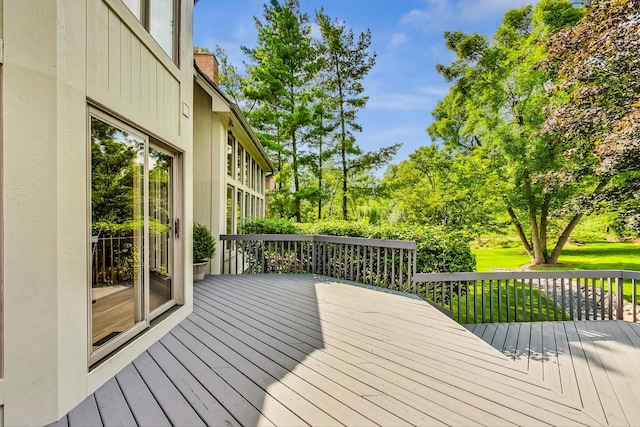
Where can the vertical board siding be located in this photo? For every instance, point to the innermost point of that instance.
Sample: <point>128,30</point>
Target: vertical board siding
<point>124,75</point>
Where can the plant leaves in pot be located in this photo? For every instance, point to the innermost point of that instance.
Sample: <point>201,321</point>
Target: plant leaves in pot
<point>204,248</point>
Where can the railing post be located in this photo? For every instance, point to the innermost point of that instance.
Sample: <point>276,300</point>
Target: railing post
<point>620,299</point>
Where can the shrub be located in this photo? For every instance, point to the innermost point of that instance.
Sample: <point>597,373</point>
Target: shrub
<point>338,228</point>
<point>437,251</point>
<point>204,246</point>
<point>267,226</point>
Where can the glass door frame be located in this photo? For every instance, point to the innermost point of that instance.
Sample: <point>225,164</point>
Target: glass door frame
<point>143,304</point>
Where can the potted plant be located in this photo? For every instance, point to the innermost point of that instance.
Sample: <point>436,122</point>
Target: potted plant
<point>204,247</point>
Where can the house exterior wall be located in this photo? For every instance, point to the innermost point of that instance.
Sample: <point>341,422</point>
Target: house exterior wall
<point>214,119</point>
<point>59,57</point>
<point>210,131</point>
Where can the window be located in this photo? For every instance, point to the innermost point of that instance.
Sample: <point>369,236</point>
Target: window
<point>159,18</point>
<point>239,163</point>
<point>230,144</point>
<point>133,209</point>
<point>239,213</point>
<point>229,209</point>
<point>247,168</point>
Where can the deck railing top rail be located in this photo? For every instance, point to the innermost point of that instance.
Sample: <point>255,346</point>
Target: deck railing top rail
<point>356,241</point>
<point>524,275</point>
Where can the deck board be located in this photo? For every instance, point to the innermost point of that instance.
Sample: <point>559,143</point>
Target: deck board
<point>306,350</point>
<point>592,363</point>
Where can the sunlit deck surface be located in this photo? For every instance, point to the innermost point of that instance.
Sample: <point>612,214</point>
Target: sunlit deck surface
<point>594,364</point>
<point>300,349</point>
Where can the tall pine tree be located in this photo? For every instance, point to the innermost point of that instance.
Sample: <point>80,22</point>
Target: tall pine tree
<point>347,62</point>
<point>281,70</point>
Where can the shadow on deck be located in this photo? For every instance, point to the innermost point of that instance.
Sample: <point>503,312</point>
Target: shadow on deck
<point>592,363</point>
<point>305,349</point>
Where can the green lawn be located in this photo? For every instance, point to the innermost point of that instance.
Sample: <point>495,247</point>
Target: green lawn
<point>591,256</point>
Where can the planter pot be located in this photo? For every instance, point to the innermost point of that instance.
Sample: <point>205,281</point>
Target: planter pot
<point>198,270</point>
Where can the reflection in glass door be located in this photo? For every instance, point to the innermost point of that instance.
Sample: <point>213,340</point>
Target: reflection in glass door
<point>131,233</point>
<point>160,234</point>
<point>117,227</point>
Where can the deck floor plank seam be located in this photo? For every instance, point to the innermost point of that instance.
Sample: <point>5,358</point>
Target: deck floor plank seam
<point>295,356</point>
<point>357,337</point>
<point>263,300</point>
<point>359,334</point>
<point>508,396</point>
<point>297,350</point>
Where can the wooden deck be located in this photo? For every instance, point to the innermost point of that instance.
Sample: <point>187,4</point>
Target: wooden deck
<point>594,364</point>
<point>295,350</point>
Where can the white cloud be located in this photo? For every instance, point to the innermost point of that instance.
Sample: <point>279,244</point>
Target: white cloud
<point>475,11</point>
<point>315,31</point>
<point>401,101</point>
<point>439,12</point>
<point>395,134</point>
<point>398,39</point>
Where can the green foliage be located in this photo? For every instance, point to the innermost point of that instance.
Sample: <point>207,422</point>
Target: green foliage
<point>339,228</point>
<point>495,111</point>
<point>437,250</point>
<point>347,61</point>
<point>456,191</point>
<point>267,226</point>
<point>204,245</point>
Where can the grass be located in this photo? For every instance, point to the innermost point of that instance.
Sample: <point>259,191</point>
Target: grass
<point>591,256</point>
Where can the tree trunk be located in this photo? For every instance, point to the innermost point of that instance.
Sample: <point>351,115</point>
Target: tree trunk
<point>544,221</point>
<point>538,257</point>
<point>343,147</point>
<point>566,233</point>
<point>320,180</point>
<point>520,230</point>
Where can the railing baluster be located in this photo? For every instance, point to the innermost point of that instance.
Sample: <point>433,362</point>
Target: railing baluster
<point>482,301</point>
<point>506,289</point>
<point>564,311</point>
<point>530,301</point>
<point>466,318</point>
<point>378,267</point>
<point>546,297</point>
<point>594,303</point>
<point>633,300</point>
<point>539,300</point>
<point>475,304</point>
<point>578,297</point>
<point>459,287</point>
<point>515,300</point>
<point>386,262</point>
<point>499,289</point>
<point>555,300</point>
<point>602,298</point>
<point>571,316</point>
<point>490,301</point>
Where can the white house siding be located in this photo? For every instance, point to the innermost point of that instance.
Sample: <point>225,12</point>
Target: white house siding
<point>210,130</point>
<point>59,56</point>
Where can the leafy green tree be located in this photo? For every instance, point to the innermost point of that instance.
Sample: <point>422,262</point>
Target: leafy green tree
<point>496,110</point>
<point>596,65</point>
<point>347,62</point>
<point>455,191</point>
<point>282,68</point>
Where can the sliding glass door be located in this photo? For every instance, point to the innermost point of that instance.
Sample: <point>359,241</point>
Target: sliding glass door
<point>132,233</point>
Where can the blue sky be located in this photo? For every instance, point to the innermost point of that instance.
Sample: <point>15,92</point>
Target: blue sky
<point>403,87</point>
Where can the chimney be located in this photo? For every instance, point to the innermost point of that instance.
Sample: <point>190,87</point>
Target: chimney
<point>207,63</point>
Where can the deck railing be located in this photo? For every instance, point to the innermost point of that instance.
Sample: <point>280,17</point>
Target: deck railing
<point>533,295</point>
<point>386,263</point>
<point>508,296</point>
